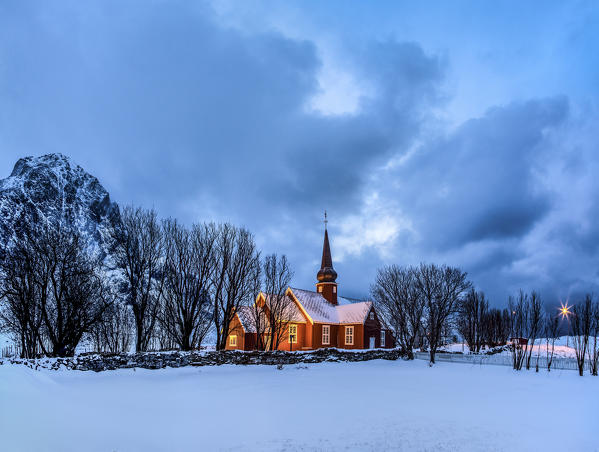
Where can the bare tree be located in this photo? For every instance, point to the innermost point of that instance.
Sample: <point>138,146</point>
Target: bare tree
<point>441,288</point>
<point>20,312</point>
<point>73,296</point>
<point>581,324</point>
<point>593,348</point>
<point>186,313</point>
<point>496,327</point>
<point>472,315</point>
<point>551,332</point>
<point>138,251</point>
<point>256,316</point>
<point>535,323</point>
<point>526,325</point>
<point>53,291</point>
<point>399,302</point>
<point>236,278</point>
<point>114,332</point>
<point>519,322</point>
<point>278,306</point>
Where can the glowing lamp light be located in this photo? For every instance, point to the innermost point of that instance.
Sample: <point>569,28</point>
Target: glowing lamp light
<point>564,310</point>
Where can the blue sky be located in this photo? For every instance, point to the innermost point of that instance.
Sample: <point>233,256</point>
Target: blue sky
<point>462,133</point>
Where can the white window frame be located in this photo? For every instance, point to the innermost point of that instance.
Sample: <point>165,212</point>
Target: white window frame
<point>319,289</point>
<point>233,340</point>
<point>383,338</point>
<point>334,289</point>
<point>371,315</point>
<point>293,332</point>
<point>326,335</point>
<point>349,334</point>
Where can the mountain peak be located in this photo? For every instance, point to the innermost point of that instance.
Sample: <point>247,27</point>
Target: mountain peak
<point>54,160</point>
<point>51,188</point>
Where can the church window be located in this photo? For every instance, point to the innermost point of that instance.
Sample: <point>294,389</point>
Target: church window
<point>293,334</point>
<point>233,340</point>
<point>349,335</point>
<point>319,289</point>
<point>326,334</point>
<point>334,289</point>
<point>382,338</point>
<point>371,315</point>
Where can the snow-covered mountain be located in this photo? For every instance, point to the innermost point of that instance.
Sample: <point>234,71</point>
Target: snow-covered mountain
<point>50,188</point>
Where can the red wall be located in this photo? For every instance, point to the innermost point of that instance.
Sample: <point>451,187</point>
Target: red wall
<point>310,336</point>
<point>236,329</point>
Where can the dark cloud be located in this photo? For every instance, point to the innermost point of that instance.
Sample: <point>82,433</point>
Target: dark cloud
<point>173,107</point>
<point>173,110</point>
<point>480,182</point>
<point>181,106</point>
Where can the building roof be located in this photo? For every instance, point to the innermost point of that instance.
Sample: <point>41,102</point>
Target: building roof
<point>316,306</point>
<point>354,312</point>
<point>321,311</point>
<point>245,315</point>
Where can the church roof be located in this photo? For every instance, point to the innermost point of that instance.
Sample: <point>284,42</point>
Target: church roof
<point>245,315</point>
<point>316,306</point>
<point>321,311</point>
<point>354,312</point>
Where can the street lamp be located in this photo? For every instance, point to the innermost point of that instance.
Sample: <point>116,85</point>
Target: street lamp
<point>564,311</point>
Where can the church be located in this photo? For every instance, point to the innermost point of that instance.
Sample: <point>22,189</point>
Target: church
<point>317,319</point>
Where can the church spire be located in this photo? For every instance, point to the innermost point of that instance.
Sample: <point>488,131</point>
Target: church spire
<point>327,275</point>
<point>327,260</point>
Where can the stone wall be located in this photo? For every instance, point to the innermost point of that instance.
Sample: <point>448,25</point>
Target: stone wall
<point>160,360</point>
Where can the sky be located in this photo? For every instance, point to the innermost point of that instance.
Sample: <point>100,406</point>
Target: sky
<point>458,133</point>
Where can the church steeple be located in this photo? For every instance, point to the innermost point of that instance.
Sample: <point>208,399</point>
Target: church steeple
<point>327,275</point>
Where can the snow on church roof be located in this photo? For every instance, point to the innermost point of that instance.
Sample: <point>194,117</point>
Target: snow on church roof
<point>354,312</point>
<point>321,311</point>
<point>244,313</point>
<point>317,307</point>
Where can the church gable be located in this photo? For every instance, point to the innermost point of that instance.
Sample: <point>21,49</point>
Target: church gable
<point>288,307</point>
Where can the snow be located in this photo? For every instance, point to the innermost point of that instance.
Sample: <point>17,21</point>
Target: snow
<point>563,348</point>
<point>317,307</point>
<point>245,316</point>
<point>320,310</point>
<point>374,405</point>
<point>354,313</point>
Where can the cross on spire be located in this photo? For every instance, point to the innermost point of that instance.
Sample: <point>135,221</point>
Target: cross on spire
<point>325,220</point>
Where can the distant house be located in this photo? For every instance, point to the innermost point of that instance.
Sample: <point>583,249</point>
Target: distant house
<point>316,319</point>
<point>519,341</point>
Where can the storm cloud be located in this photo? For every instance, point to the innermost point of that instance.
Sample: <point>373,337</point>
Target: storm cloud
<point>214,112</point>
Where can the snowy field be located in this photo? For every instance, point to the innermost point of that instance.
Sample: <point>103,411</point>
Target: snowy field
<point>563,348</point>
<point>375,405</point>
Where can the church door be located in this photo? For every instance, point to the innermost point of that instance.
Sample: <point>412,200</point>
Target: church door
<point>371,342</point>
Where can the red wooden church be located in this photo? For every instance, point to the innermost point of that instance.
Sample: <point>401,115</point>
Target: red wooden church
<point>318,319</point>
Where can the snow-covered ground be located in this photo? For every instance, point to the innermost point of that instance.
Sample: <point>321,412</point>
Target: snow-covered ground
<point>563,348</point>
<point>374,405</point>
